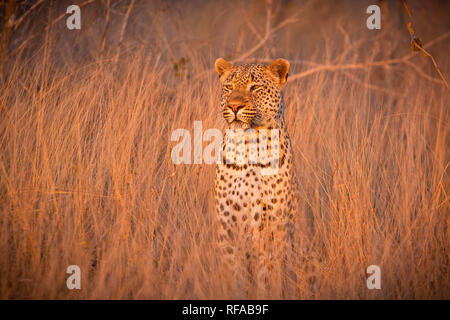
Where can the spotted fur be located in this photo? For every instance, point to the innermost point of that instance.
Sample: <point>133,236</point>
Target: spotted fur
<point>256,212</point>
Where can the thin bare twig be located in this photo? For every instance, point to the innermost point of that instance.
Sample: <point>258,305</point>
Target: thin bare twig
<point>269,31</point>
<point>5,34</point>
<point>103,41</point>
<point>20,20</point>
<point>416,45</point>
<point>421,73</point>
<point>122,31</point>
<point>435,65</point>
<point>264,39</point>
<point>59,18</point>
<point>250,25</point>
<point>369,85</point>
<point>328,67</point>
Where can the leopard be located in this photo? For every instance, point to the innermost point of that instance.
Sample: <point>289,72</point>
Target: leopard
<point>256,210</point>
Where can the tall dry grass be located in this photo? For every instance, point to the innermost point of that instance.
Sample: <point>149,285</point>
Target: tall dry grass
<point>86,177</point>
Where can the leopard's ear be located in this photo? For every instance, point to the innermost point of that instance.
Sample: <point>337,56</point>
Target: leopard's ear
<point>222,66</point>
<point>280,69</point>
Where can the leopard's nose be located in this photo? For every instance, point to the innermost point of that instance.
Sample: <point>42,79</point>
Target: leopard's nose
<point>236,106</point>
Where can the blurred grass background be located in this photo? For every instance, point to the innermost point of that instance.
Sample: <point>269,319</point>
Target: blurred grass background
<point>85,123</point>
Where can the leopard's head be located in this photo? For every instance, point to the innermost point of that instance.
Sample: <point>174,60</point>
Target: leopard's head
<point>251,93</point>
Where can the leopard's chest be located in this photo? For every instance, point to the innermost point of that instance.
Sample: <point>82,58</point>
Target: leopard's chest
<point>244,195</point>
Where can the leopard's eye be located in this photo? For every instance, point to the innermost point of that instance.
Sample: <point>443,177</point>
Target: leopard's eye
<point>254,87</point>
<point>228,86</point>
